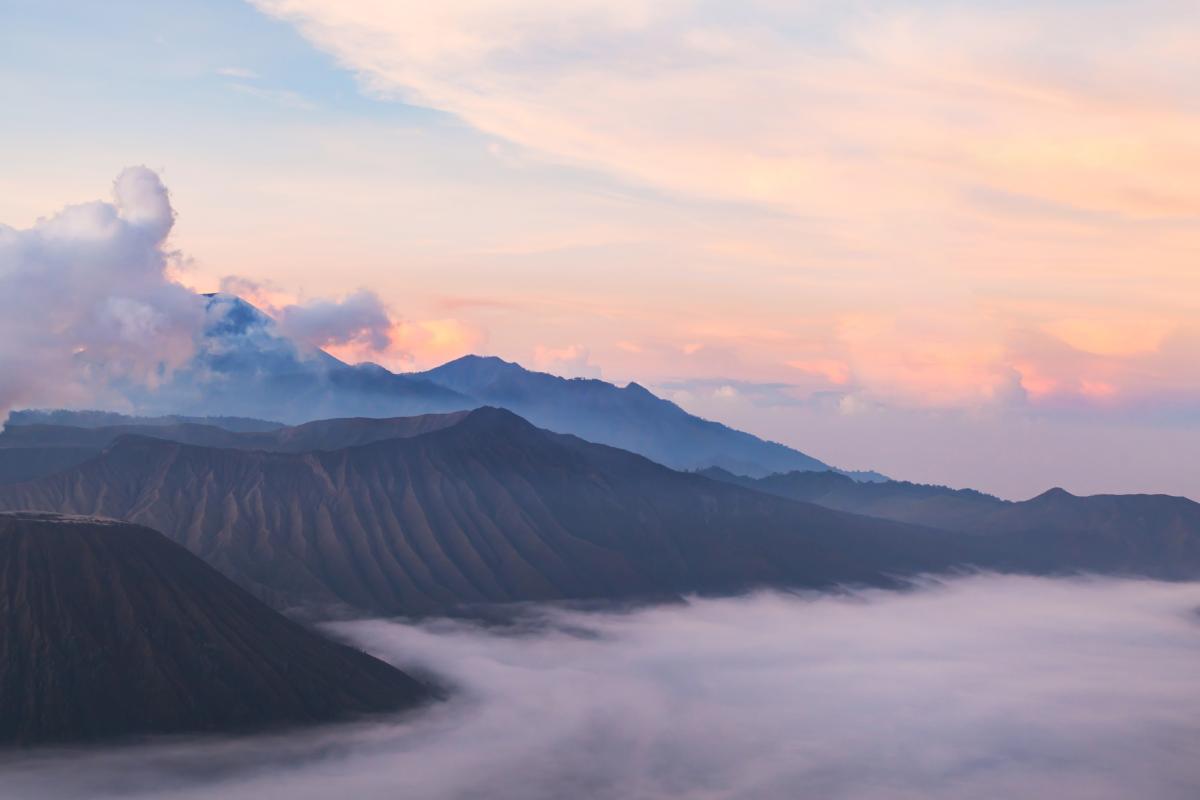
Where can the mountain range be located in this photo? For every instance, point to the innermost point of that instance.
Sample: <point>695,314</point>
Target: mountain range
<point>477,507</point>
<point>244,367</point>
<point>110,630</point>
<point>475,483</point>
<point>1146,534</point>
<point>437,512</point>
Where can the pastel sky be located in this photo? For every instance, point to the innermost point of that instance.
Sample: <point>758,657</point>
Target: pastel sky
<point>957,242</point>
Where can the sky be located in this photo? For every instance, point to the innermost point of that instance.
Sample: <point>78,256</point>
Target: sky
<point>971,689</point>
<point>955,242</point>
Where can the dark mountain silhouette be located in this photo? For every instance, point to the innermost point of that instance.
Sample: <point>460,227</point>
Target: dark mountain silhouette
<point>108,419</point>
<point>1149,534</point>
<point>921,504</point>
<point>32,451</point>
<point>108,629</point>
<point>631,418</point>
<point>487,509</point>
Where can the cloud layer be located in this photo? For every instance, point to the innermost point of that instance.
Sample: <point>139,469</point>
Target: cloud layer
<point>979,688</point>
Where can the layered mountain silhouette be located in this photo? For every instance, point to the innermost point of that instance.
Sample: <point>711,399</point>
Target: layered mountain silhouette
<point>631,418</point>
<point>246,368</point>
<point>486,509</point>
<point>31,451</point>
<point>108,629</point>
<point>108,419</point>
<point>1150,534</point>
<point>483,507</point>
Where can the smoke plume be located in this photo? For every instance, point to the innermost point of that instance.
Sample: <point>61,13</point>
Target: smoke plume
<point>86,302</point>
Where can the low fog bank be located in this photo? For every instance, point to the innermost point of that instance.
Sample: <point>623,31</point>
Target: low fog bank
<point>981,687</point>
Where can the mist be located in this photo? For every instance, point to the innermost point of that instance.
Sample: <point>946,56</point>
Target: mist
<point>980,687</point>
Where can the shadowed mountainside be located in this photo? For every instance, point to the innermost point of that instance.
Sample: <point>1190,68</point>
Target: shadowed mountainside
<point>936,506</point>
<point>32,451</point>
<point>487,509</point>
<point>108,629</point>
<point>1152,534</point>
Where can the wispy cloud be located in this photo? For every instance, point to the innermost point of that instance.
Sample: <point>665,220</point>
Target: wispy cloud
<point>286,98</point>
<point>974,165</point>
<point>241,73</point>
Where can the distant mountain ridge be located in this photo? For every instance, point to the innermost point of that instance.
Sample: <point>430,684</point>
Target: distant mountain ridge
<point>107,419</point>
<point>1147,534</point>
<point>111,630</point>
<point>246,371</point>
<point>487,509</point>
<point>631,418</point>
<point>28,452</point>
<point>491,509</point>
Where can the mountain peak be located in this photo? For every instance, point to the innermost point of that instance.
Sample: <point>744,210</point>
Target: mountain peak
<point>113,630</point>
<point>1057,493</point>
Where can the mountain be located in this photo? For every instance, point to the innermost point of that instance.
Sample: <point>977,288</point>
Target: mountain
<point>935,506</point>
<point>631,418</point>
<point>32,451</point>
<point>245,370</point>
<point>107,419</point>
<point>111,630</point>
<point>487,509</point>
<point>245,367</point>
<point>1147,534</point>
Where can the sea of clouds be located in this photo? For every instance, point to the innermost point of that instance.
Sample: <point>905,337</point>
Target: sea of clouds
<point>980,687</point>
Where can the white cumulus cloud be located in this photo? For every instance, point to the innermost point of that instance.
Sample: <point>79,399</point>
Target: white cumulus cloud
<point>86,301</point>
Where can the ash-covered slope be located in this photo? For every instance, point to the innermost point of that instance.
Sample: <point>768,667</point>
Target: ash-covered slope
<point>108,629</point>
<point>487,509</point>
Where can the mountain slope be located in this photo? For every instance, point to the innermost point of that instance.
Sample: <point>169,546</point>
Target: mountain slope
<point>920,504</point>
<point>109,629</point>
<point>631,418</point>
<point>1150,534</point>
<point>28,452</point>
<point>488,509</point>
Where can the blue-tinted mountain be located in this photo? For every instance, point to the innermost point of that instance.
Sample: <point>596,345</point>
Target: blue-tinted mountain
<point>1138,533</point>
<point>107,419</point>
<point>244,367</point>
<point>33,451</point>
<point>922,504</point>
<point>631,418</point>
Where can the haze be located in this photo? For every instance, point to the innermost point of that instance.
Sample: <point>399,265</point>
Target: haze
<point>978,687</point>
